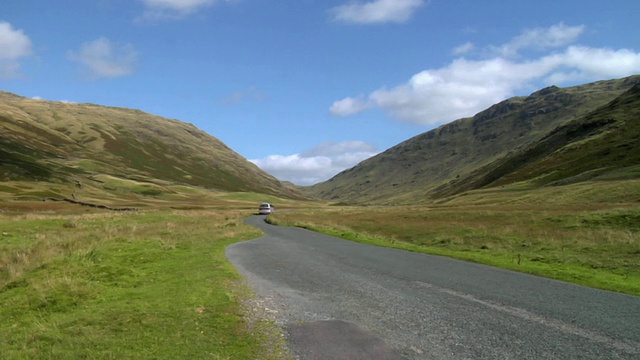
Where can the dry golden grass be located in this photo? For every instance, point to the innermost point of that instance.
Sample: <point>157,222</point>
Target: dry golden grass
<point>596,245</point>
<point>34,239</point>
<point>56,143</point>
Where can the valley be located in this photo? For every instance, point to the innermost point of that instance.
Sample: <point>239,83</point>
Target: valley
<point>546,185</point>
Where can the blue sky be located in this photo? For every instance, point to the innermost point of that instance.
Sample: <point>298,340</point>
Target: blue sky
<point>307,88</point>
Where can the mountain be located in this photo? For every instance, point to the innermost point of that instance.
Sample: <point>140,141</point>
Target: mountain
<point>64,143</point>
<point>555,135</point>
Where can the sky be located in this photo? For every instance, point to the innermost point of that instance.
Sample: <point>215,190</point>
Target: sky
<point>308,88</point>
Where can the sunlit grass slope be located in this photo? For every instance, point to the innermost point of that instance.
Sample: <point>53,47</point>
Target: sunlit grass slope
<point>60,143</point>
<point>564,134</point>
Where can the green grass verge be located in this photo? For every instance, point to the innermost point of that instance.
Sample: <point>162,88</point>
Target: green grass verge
<point>152,285</point>
<point>598,248</point>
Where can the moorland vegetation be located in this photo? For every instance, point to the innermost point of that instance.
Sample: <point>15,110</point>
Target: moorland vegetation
<point>547,184</point>
<point>555,136</point>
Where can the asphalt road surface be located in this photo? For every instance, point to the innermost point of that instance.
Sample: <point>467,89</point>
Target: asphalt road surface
<point>342,300</point>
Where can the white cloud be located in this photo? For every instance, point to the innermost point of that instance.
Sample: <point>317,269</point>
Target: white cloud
<point>464,48</point>
<point>377,11</point>
<point>579,62</point>
<point>465,87</point>
<point>349,106</point>
<point>541,39</point>
<point>15,45</point>
<point>102,58</point>
<point>461,89</point>
<point>317,164</point>
<point>174,9</point>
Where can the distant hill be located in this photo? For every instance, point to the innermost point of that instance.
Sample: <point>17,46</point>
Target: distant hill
<point>554,136</point>
<point>56,142</point>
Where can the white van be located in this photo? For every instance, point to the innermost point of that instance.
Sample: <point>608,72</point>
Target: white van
<point>266,209</point>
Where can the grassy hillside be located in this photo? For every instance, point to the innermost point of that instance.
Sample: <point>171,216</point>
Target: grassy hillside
<point>430,165</point>
<point>602,145</point>
<point>75,144</point>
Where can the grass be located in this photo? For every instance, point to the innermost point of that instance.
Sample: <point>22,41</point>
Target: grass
<point>55,142</point>
<point>83,283</point>
<point>593,245</point>
<point>142,285</point>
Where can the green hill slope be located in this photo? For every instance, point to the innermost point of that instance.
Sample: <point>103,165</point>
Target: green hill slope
<point>61,142</point>
<point>602,145</point>
<point>458,156</point>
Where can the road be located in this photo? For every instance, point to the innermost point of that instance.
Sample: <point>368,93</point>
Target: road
<point>342,300</point>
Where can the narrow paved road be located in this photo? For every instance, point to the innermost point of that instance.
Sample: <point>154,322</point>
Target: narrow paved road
<point>343,300</point>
